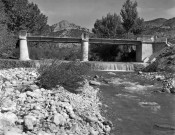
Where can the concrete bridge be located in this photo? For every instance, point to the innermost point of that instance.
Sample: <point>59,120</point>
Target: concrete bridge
<point>145,46</point>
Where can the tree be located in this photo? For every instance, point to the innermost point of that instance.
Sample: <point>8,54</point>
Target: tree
<point>130,20</point>
<point>24,15</point>
<point>108,27</point>
<point>5,36</point>
<point>138,26</point>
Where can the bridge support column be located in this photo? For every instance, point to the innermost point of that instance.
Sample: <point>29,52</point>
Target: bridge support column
<point>144,50</point>
<point>24,54</point>
<point>84,47</point>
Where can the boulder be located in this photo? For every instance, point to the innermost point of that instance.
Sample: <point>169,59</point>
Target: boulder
<point>13,131</point>
<point>8,105</point>
<point>96,76</point>
<point>111,73</point>
<point>29,122</point>
<point>7,84</point>
<point>9,117</point>
<point>42,133</point>
<point>58,119</point>
<point>95,83</point>
<point>33,94</point>
<point>93,132</point>
<point>159,77</point>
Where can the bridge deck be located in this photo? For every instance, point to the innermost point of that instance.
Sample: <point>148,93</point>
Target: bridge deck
<point>79,40</point>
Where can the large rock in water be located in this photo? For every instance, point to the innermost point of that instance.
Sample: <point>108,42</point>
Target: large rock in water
<point>173,86</point>
<point>95,83</point>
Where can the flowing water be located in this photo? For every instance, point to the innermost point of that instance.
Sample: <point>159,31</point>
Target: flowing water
<point>115,66</point>
<point>134,107</point>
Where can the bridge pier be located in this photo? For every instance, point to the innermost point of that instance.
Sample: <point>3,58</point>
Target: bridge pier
<point>84,47</point>
<point>24,54</point>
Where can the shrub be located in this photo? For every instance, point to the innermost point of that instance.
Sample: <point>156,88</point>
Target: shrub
<point>55,53</point>
<point>6,64</point>
<point>70,75</point>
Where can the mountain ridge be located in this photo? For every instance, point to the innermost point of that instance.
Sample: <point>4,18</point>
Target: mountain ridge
<point>159,27</point>
<point>66,29</point>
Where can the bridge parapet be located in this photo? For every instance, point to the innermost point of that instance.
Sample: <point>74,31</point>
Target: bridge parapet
<point>150,38</point>
<point>146,38</point>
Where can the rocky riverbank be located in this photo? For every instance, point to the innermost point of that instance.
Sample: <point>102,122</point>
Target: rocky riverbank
<point>26,109</point>
<point>167,80</point>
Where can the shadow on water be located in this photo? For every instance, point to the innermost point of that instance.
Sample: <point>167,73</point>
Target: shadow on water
<point>130,102</point>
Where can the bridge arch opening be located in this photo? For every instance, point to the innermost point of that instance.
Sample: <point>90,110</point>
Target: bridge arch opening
<point>112,52</point>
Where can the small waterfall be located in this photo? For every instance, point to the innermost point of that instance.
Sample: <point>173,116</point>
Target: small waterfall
<point>102,66</point>
<point>112,66</point>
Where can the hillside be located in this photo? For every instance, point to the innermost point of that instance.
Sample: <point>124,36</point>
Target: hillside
<point>164,61</point>
<point>160,27</point>
<point>155,23</point>
<point>169,23</point>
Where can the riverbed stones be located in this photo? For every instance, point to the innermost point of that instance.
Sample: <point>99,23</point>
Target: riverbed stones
<point>38,111</point>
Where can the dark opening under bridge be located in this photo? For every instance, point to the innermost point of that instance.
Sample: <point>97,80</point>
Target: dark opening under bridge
<point>145,46</point>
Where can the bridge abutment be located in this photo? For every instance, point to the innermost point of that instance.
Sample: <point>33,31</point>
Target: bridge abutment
<point>145,49</point>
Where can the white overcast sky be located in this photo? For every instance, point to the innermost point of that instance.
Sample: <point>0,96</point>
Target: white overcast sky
<point>85,12</point>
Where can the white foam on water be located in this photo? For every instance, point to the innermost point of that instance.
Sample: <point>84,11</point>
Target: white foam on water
<point>126,96</point>
<point>151,105</point>
<point>130,87</point>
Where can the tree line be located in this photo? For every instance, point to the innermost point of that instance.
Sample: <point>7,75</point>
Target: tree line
<point>16,15</point>
<point>126,25</point>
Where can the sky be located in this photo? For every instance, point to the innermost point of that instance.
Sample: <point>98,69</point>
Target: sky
<point>86,12</point>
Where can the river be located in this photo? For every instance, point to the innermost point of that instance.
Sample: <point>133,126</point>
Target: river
<point>133,106</point>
